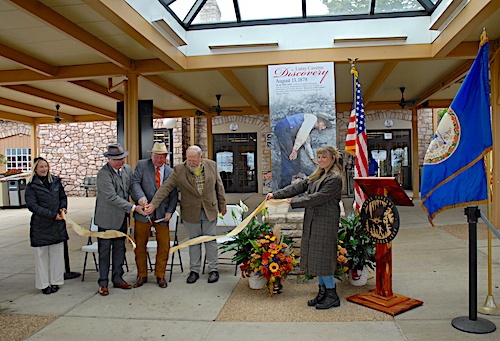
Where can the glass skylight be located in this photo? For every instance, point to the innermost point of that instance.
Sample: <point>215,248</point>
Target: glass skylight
<point>203,14</point>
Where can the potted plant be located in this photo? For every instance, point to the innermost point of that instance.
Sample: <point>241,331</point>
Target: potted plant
<point>360,248</point>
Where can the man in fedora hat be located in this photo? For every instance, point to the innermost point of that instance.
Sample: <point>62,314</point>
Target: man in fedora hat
<point>112,210</point>
<point>292,132</point>
<point>148,176</point>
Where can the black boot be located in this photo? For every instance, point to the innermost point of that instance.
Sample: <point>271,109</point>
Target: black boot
<point>331,300</point>
<point>321,296</point>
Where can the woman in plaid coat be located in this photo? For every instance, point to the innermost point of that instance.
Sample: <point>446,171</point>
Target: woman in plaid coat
<point>321,195</point>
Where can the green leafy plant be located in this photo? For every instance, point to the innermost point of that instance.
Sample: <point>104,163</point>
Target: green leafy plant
<point>241,245</point>
<point>360,248</point>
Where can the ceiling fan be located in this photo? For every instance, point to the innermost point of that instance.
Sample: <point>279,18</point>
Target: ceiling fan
<point>404,103</point>
<point>57,118</point>
<point>218,109</point>
<point>410,103</point>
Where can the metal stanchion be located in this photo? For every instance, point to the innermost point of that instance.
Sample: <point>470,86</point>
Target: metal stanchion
<point>489,307</point>
<point>68,274</point>
<point>472,323</point>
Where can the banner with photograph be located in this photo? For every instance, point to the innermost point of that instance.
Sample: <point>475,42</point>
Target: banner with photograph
<point>302,115</point>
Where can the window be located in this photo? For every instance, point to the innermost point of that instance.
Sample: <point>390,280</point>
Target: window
<point>19,158</point>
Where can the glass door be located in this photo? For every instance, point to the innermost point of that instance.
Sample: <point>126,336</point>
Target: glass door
<point>235,155</point>
<point>392,151</point>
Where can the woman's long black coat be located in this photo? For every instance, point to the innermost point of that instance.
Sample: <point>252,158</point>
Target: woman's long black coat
<point>45,204</point>
<point>318,248</point>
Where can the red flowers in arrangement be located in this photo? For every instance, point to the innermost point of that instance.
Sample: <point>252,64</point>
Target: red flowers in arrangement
<point>271,257</point>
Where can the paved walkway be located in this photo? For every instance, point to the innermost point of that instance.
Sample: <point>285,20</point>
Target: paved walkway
<point>429,264</point>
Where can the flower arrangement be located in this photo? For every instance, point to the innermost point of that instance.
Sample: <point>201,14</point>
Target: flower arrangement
<point>342,258</point>
<point>241,245</point>
<point>272,258</point>
<point>12,172</point>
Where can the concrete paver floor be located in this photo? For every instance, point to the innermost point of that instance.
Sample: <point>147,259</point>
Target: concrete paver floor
<point>429,264</point>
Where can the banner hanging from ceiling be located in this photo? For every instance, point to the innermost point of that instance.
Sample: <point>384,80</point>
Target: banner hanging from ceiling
<point>302,117</point>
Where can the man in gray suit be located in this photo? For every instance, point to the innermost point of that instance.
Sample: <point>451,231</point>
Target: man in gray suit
<point>148,176</point>
<point>112,209</point>
<point>203,197</point>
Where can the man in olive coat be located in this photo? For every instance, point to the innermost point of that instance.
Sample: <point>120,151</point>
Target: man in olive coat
<point>202,198</point>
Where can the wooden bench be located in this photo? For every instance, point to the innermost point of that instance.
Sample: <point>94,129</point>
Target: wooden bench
<point>89,182</point>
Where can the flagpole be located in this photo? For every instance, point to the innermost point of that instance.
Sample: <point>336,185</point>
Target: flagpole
<point>489,307</point>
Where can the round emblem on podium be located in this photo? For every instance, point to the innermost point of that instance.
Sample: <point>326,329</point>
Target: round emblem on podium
<point>380,219</point>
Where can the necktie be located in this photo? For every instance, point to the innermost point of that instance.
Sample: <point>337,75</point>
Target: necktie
<point>158,177</point>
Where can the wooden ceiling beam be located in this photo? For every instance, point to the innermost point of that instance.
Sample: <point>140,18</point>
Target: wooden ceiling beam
<point>163,84</point>
<point>89,85</point>
<point>446,82</point>
<point>245,111</point>
<point>61,99</point>
<point>468,20</point>
<point>66,26</point>
<point>127,19</point>
<point>379,81</point>
<point>5,115</point>
<point>240,88</point>
<point>392,105</point>
<point>27,61</point>
<point>33,108</point>
<point>82,72</point>
<point>91,118</point>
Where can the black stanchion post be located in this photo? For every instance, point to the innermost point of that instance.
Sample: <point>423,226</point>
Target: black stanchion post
<point>68,274</point>
<point>473,324</point>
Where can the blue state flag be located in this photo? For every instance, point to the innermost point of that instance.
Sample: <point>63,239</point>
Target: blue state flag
<point>454,173</point>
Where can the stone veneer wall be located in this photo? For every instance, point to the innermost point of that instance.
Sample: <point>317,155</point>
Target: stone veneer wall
<point>9,128</point>
<point>75,150</point>
<point>424,124</point>
<point>290,223</point>
<point>260,121</point>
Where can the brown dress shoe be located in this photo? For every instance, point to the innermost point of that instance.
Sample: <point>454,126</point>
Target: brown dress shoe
<point>103,291</point>
<point>162,283</point>
<point>140,281</point>
<point>122,285</point>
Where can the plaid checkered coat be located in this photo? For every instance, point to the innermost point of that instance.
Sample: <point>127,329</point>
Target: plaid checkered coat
<point>318,249</point>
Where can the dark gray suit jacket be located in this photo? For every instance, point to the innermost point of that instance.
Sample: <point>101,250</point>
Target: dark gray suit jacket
<point>112,203</point>
<point>144,185</point>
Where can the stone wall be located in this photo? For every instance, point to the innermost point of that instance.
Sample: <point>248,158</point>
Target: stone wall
<point>425,126</point>
<point>9,128</point>
<point>290,223</point>
<point>75,150</point>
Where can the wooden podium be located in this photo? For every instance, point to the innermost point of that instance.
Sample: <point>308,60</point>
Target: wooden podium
<point>380,220</point>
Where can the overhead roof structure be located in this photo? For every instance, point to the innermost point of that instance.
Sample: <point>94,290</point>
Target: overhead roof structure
<point>73,52</point>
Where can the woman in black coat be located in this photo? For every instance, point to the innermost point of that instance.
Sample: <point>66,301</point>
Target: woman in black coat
<point>45,197</point>
<point>321,196</point>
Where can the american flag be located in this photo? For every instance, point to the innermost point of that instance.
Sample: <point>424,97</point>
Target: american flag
<point>350,140</point>
<point>361,167</point>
